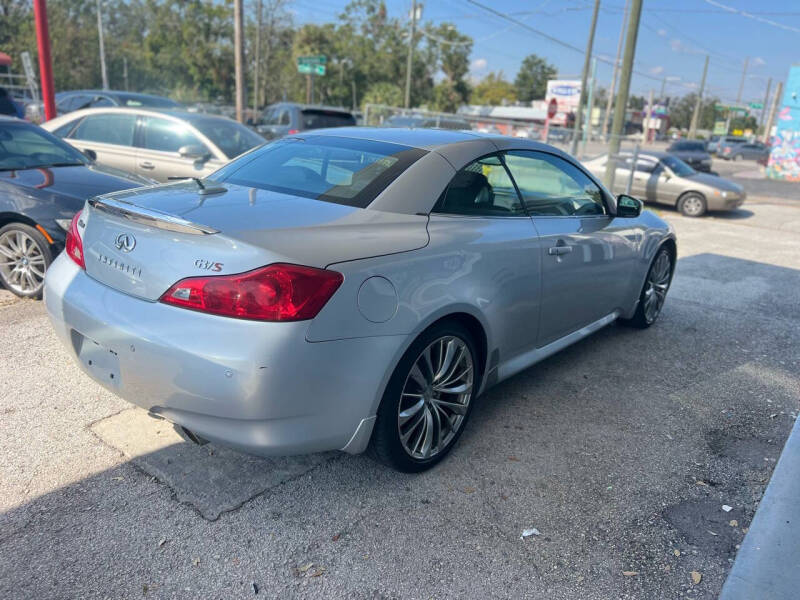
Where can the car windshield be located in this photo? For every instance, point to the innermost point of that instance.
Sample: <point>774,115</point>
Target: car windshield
<point>229,136</point>
<point>677,166</point>
<point>689,146</point>
<point>335,169</point>
<point>319,119</point>
<point>24,146</point>
<point>150,101</point>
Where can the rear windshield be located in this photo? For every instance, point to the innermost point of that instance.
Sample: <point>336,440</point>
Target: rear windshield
<point>152,101</point>
<point>335,169</point>
<point>319,119</point>
<point>689,146</point>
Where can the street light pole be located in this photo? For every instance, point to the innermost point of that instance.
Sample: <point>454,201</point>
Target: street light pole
<point>696,112</point>
<point>584,76</point>
<point>238,52</point>
<point>587,129</point>
<point>410,58</point>
<point>766,101</point>
<point>773,109</point>
<point>257,57</point>
<point>615,72</point>
<point>103,71</point>
<point>624,88</point>
<point>738,95</point>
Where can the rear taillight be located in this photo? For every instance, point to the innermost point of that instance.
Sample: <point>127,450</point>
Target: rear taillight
<point>74,245</point>
<point>293,131</point>
<point>278,292</point>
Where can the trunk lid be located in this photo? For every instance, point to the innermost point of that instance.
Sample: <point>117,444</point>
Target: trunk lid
<point>143,241</point>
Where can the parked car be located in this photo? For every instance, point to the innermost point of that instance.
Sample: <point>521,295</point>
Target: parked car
<point>43,183</point>
<point>158,144</point>
<point>715,144</point>
<point>286,118</point>
<point>433,122</point>
<point>356,290</point>
<point>78,99</point>
<point>693,153</point>
<point>747,151</point>
<point>665,179</point>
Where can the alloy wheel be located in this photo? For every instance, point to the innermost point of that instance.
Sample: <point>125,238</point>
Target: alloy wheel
<point>693,206</point>
<point>22,262</point>
<point>435,397</point>
<point>655,289</point>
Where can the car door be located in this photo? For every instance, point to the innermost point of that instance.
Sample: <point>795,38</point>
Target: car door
<point>110,135</point>
<point>491,243</point>
<point>170,148</point>
<point>587,257</point>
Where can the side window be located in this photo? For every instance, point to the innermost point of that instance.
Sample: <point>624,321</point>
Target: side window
<point>110,128</point>
<point>642,166</point>
<point>481,188</point>
<point>284,118</point>
<point>271,117</point>
<point>551,186</point>
<point>64,130</point>
<point>168,136</point>
<point>100,102</point>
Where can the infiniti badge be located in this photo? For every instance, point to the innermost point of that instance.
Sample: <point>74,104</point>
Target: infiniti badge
<point>125,242</point>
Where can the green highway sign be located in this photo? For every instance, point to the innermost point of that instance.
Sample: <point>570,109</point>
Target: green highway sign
<point>312,60</point>
<point>307,69</point>
<point>756,105</point>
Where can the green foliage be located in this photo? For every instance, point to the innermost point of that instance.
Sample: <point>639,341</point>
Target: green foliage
<point>384,93</point>
<point>531,80</point>
<point>494,90</point>
<point>680,113</point>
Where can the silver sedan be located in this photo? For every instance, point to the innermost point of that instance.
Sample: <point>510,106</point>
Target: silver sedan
<point>351,289</point>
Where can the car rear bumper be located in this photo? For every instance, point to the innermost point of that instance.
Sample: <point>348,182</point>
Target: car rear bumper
<point>259,387</point>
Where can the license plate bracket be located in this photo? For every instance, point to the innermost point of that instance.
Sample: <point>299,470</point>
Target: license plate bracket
<point>100,362</point>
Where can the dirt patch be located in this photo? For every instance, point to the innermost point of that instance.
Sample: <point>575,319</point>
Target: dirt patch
<point>752,451</point>
<point>704,524</point>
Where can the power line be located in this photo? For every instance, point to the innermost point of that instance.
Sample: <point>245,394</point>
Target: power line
<point>752,16</point>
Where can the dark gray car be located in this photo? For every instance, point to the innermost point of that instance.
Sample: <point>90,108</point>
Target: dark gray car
<point>748,151</point>
<point>287,118</point>
<point>693,153</point>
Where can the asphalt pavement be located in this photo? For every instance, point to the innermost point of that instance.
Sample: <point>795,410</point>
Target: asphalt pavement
<point>623,451</point>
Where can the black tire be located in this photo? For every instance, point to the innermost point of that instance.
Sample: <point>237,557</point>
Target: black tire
<point>43,247</point>
<point>692,205</point>
<point>640,319</point>
<point>385,445</point>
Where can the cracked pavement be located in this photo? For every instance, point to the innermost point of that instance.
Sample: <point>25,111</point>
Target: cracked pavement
<point>620,450</point>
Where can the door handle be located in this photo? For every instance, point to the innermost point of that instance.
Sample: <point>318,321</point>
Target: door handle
<point>559,250</point>
<point>147,165</point>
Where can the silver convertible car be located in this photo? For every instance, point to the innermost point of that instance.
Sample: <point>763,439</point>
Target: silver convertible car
<point>351,288</point>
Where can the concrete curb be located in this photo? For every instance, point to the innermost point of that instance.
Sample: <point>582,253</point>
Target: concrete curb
<point>767,563</point>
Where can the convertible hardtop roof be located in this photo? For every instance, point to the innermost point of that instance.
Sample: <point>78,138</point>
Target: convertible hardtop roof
<point>427,139</point>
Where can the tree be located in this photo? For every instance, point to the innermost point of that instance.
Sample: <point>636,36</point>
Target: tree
<point>493,90</point>
<point>452,49</point>
<point>681,109</point>
<point>531,80</point>
<point>636,102</point>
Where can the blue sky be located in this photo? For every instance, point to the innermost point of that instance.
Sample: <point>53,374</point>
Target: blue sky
<point>674,37</point>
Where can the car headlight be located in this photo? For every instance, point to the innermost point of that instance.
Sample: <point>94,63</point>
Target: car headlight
<point>64,223</point>
<point>724,194</point>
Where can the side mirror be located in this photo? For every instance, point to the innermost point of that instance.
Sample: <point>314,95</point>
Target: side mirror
<point>193,151</point>
<point>90,154</point>
<point>628,207</point>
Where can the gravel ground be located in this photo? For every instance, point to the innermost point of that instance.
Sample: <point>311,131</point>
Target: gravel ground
<point>620,451</point>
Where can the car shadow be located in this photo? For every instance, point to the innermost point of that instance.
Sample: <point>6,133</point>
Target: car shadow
<point>594,441</point>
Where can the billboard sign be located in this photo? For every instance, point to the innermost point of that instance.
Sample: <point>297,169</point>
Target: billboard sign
<point>567,93</point>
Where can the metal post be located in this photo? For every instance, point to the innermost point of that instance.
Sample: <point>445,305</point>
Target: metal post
<point>698,104</point>
<point>584,76</point>
<point>103,71</point>
<point>45,62</point>
<point>611,90</point>
<point>238,52</point>
<point>624,88</point>
<point>125,71</point>
<point>634,160</point>
<point>353,84</point>
<point>646,119</point>
<point>410,57</point>
<point>587,128</point>
<point>766,101</point>
<point>257,57</point>
<point>772,111</point>
<point>738,95</point>
<point>663,85</point>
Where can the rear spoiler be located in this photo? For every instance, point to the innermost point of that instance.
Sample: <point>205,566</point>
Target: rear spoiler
<point>148,216</point>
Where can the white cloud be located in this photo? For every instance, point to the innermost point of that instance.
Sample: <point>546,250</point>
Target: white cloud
<point>662,32</point>
<point>758,62</point>
<point>657,70</point>
<point>479,64</point>
<point>676,45</point>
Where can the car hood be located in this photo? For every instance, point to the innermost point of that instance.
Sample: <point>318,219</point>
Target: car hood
<point>725,185</point>
<point>75,182</point>
<point>298,229</point>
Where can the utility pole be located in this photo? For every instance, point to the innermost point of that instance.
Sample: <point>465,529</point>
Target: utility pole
<point>584,76</point>
<point>766,101</point>
<point>125,71</point>
<point>738,95</point>
<point>773,109</point>
<point>410,58</point>
<point>103,71</point>
<point>238,53</point>
<point>624,88</point>
<point>646,119</point>
<point>258,57</point>
<point>590,107</point>
<point>663,85</point>
<point>611,90</point>
<point>696,112</point>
